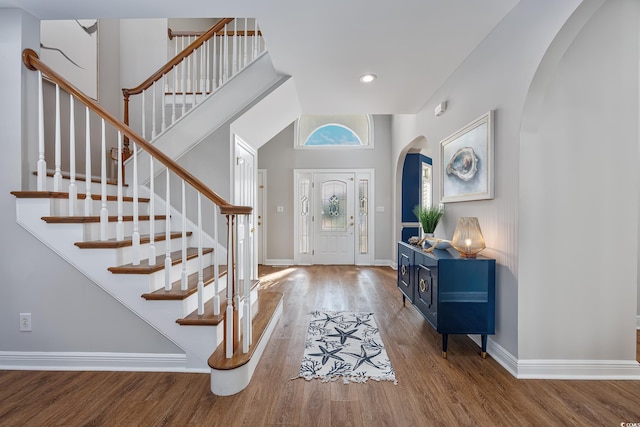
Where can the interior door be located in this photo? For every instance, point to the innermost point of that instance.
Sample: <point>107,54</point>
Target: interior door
<point>245,195</point>
<point>334,218</point>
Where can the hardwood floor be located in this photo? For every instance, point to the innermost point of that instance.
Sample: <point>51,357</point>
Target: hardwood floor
<point>462,390</point>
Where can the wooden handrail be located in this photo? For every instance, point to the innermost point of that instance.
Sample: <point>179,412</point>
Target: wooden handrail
<point>175,61</point>
<point>33,62</point>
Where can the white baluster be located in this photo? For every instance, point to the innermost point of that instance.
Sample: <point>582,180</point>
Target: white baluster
<point>226,56</point>
<point>120,225</point>
<point>73,189</point>
<point>152,216</point>
<point>234,70</point>
<point>184,92</point>
<point>153,110</point>
<point>57,176</point>
<point>167,221</point>
<point>228,324</point>
<point>88,205</point>
<point>208,65</point>
<point>182,73</point>
<point>188,59</point>
<point>256,39</point>
<point>135,236</point>
<point>246,335</point>
<point>200,260</point>
<point>202,72</point>
<point>214,64</point>
<point>144,127</point>
<point>193,58</point>
<point>216,267</point>
<point>183,276</point>
<point>162,98</point>
<point>246,36</point>
<point>104,214</point>
<point>175,89</point>
<point>42,164</point>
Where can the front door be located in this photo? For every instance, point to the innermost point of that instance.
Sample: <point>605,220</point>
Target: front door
<point>333,195</point>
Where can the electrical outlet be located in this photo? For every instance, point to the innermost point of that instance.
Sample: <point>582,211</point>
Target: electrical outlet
<point>25,322</point>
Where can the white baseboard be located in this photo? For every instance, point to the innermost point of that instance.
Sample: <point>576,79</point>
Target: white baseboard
<point>86,361</point>
<point>638,322</point>
<point>557,369</point>
<point>383,263</point>
<point>278,262</point>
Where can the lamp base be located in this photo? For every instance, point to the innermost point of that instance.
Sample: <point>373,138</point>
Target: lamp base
<point>465,255</point>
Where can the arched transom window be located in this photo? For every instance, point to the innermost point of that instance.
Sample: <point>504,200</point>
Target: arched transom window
<point>350,131</point>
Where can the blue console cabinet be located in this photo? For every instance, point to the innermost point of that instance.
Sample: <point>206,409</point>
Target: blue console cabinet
<point>455,295</point>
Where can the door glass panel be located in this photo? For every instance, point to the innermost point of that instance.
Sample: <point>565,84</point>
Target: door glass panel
<point>363,215</point>
<point>304,196</point>
<point>334,212</point>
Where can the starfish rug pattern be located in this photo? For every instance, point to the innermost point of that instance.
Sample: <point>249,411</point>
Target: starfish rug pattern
<point>347,345</point>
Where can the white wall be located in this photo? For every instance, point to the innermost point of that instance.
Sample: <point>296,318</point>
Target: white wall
<point>557,295</point>
<point>68,310</point>
<point>579,188</point>
<point>279,158</point>
<point>143,50</point>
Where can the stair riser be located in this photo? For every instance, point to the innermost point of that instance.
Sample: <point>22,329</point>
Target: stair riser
<point>60,207</point>
<point>96,187</point>
<point>156,280</point>
<point>92,230</point>
<point>123,256</point>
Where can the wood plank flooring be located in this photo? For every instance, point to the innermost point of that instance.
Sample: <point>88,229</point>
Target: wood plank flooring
<point>462,390</point>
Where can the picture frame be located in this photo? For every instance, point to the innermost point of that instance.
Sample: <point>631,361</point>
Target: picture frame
<point>466,162</point>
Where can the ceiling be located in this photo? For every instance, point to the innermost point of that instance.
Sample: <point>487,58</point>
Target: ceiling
<point>411,45</point>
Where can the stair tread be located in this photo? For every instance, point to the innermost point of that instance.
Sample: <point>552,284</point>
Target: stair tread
<point>127,241</point>
<point>64,195</point>
<point>145,268</point>
<point>268,302</point>
<point>175,293</point>
<point>206,319</point>
<point>95,218</point>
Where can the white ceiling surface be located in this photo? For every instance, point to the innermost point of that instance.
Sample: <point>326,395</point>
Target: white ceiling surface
<point>411,45</point>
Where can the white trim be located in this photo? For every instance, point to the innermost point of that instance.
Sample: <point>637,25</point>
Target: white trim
<point>279,262</point>
<point>94,361</point>
<point>638,322</point>
<point>559,369</point>
<point>385,263</point>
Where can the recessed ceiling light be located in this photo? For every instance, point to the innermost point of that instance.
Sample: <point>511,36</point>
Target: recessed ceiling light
<point>368,78</point>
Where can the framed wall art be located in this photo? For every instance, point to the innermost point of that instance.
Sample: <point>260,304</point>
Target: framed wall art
<point>467,162</point>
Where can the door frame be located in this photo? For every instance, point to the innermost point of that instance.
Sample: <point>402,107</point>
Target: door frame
<point>368,258</point>
<point>261,221</point>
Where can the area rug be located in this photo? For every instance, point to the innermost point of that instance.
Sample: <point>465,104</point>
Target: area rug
<point>345,345</point>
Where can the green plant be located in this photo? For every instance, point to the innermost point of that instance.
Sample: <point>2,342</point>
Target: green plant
<point>428,217</point>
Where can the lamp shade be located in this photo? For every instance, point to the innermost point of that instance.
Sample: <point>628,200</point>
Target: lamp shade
<point>468,239</point>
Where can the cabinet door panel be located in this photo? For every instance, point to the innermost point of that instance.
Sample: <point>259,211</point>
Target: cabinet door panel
<point>405,264</point>
<point>426,292</point>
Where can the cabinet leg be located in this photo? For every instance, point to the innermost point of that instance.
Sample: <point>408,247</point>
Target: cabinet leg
<point>445,338</point>
<point>404,300</point>
<point>484,346</point>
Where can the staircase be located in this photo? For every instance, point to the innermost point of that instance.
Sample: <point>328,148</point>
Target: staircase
<point>184,282</point>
